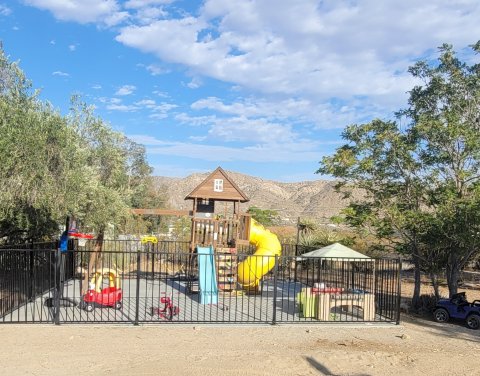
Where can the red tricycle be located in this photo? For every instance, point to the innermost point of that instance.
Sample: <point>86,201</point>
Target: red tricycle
<point>108,297</point>
<point>167,311</point>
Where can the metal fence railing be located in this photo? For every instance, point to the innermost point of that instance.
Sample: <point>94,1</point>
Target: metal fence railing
<point>130,282</point>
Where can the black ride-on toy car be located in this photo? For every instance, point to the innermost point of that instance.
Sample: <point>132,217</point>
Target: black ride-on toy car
<point>457,307</point>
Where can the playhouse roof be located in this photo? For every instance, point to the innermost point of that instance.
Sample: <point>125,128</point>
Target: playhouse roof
<point>229,191</point>
<point>336,250</point>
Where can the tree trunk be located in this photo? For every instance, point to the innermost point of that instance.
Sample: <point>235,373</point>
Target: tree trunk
<point>417,280</point>
<point>453,272</point>
<point>95,258</point>
<point>434,279</point>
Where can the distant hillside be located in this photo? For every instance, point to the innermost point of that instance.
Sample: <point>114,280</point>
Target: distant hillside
<point>309,199</point>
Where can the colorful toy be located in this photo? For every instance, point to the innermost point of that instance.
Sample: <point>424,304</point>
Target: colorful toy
<point>110,296</point>
<point>149,239</point>
<point>458,308</point>
<point>167,311</point>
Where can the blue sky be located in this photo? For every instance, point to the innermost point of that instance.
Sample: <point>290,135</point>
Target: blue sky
<point>260,87</point>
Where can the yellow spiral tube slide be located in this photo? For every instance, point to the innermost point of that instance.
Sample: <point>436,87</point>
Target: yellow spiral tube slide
<point>254,267</point>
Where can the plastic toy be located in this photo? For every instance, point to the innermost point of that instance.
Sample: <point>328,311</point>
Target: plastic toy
<point>149,239</point>
<point>167,311</point>
<point>458,308</point>
<point>110,296</point>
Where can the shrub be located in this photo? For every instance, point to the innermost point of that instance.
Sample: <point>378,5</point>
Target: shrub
<point>425,304</point>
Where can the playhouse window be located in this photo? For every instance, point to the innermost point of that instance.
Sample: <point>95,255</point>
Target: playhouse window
<point>218,185</point>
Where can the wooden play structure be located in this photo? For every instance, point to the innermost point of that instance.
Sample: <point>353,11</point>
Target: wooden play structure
<point>216,216</point>
<point>217,222</point>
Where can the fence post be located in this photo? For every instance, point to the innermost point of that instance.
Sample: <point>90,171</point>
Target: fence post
<point>31,276</point>
<point>275,278</point>
<point>399,289</point>
<point>57,286</point>
<point>137,296</point>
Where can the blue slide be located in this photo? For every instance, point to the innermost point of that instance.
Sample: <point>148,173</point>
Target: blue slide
<point>207,276</point>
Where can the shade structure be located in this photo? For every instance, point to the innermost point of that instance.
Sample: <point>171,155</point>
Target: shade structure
<point>339,267</point>
<point>336,250</point>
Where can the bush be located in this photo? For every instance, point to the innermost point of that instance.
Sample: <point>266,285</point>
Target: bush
<point>425,304</point>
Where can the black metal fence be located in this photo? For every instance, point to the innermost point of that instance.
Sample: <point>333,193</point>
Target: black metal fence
<point>130,282</point>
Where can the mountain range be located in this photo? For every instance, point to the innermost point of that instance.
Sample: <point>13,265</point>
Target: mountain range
<point>316,200</point>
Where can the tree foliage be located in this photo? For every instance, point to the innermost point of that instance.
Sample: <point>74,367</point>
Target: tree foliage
<point>54,165</point>
<point>265,217</point>
<point>421,174</point>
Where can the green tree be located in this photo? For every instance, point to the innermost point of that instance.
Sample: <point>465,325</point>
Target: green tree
<point>53,165</point>
<point>117,169</point>
<point>421,180</point>
<point>264,216</point>
<point>379,159</point>
<point>39,169</point>
<point>445,113</point>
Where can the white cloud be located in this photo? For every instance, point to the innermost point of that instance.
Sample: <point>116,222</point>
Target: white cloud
<point>145,3</point>
<point>154,69</point>
<point>187,119</point>
<point>149,103</point>
<point>146,15</point>
<point>339,49</point>
<point>250,130</point>
<point>60,73</point>
<point>219,153</point>
<point>121,107</point>
<point>96,87</point>
<point>160,93</point>
<point>4,10</point>
<point>116,104</point>
<point>72,47</point>
<point>195,83</point>
<point>126,90</point>
<point>115,18</point>
<point>197,138</point>
<point>82,11</point>
<point>326,115</point>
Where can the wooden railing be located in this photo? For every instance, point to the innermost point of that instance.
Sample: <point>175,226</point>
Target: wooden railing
<point>220,232</point>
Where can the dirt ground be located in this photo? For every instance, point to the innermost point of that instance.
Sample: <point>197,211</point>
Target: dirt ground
<point>416,347</point>
<point>426,288</point>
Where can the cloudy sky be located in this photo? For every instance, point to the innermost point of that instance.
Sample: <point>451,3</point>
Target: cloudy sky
<point>262,87</point>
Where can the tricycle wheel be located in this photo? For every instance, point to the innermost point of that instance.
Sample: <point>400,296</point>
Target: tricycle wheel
<point>89,307</point>
<point>118,305</point>
<point>169,314</point>
<point>441,315</point>
<point>473,321</point>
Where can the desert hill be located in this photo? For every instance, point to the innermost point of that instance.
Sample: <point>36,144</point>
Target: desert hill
<point>309,199</point>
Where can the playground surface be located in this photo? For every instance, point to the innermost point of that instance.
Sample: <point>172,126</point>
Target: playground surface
<point>417,347</point>
<point>230,308</point>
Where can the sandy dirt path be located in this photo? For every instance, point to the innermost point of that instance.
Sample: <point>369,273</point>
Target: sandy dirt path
<point>417,347</point>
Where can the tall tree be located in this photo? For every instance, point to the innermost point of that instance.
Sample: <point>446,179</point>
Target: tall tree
<point>421,180</point>
<point>39,167</point>
<point>445,113</point>
<point>118,172</point>
<point>379,158</point>
<point>52,165</point>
